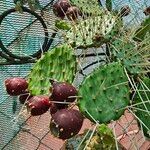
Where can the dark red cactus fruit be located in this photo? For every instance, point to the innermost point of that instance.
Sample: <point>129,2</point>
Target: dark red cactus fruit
<point>125,11</point>
<point>60,105</point>
<point>147,11</point>
<point>38,105</point>
<point>72,13</point>
<point>66,123</point>
<point>53,108</point>
<point>62,92</point>
<point>60,8</point>
<point>16,86</point>
<point>25,97</point>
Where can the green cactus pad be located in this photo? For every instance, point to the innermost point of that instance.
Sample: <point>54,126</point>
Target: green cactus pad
<point>104,93</point>
<point>91,32</point>
<point>127,52</point>
<point>62,25</point>
<point>87,7</point>
<point>58,63</point>
<point>102,139</point>
<point>142,109</point>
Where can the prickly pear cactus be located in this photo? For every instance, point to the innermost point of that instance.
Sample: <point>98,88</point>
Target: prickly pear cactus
<point>102,139</point>
<point>142,105</point>
<point>83,5</point>
<point>127,53</point>
<point>104,93</point>
<point>91,32</point>
<point>59,64</point>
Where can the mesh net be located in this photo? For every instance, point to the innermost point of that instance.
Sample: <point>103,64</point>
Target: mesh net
<point>23,35</point>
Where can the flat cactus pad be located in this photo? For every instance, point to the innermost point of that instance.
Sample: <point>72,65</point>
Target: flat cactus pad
<point>104,93</point>
<point>58,64</point>
<point>87,7</point>
<point>91,32</point>
<point>127,52</point>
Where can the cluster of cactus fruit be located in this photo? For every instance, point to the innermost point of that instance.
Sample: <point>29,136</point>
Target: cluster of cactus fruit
<point>65,122</point>
<point>106,92</point>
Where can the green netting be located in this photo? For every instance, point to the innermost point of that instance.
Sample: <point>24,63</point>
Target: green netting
<point>7,128</point>
<point>32,36</point>
<point>15,25</point>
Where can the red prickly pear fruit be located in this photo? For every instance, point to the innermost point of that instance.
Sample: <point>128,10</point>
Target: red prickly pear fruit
<point>60,8</point>
<point>16,86</point>
<point>63,92</point>
<point>72,13</point>
<point>125,10</point>
<point>38,105</point>
<point>147,11</point>
<point>66,123</point>
<point>24,97</point>
<point>53,109</point>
